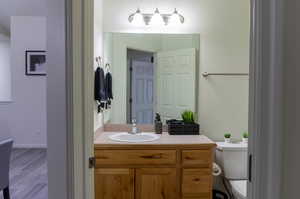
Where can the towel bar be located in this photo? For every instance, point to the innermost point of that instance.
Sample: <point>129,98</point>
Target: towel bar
<point>206,74</point>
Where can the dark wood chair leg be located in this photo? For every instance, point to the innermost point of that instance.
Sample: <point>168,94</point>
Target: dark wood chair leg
<point>6,193</point>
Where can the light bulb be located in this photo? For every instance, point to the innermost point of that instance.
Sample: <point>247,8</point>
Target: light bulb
<point>175,18</point>
<point>156,19</point>
<point>138,18</point>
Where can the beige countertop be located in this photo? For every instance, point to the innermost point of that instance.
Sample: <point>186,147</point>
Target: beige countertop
<point>165,139</point>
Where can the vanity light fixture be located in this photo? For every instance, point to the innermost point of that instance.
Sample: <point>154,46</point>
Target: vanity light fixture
<point>137,18</point>
<point>176,18</point>
<point>157,18</point>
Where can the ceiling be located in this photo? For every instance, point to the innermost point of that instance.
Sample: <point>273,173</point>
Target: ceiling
<point>10,8</point>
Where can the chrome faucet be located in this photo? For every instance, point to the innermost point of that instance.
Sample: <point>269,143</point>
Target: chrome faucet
<point>135,129</point>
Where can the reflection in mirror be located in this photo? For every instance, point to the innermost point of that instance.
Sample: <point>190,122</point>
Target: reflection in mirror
<point>154,73</point>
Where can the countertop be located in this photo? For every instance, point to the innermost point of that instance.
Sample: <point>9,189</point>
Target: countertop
<point>103,140</point>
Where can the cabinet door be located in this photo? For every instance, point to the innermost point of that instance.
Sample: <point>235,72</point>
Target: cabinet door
<point>114,184</point>
<point>197,183</point>
<point>158,183</point>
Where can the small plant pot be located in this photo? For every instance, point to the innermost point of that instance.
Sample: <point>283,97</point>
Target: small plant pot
<point>245,140</point>
<point>227,140</point>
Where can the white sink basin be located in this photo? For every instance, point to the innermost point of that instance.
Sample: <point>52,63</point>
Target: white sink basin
<point>134,138</point>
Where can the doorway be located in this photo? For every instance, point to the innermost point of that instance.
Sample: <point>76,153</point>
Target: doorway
<point>140,86</point>
<point>257,38</point>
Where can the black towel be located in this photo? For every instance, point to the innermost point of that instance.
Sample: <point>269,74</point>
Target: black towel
<point>100,94</point>
<point>108,86</point>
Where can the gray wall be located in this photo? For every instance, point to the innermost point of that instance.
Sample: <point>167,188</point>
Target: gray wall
<point>25,116</point>
<point>10,8</point>
<point>56,96</point>
<point>5,69</point>
<point>291,51</point>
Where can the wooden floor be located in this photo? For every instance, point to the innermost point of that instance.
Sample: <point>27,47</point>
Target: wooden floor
<point>28,174</point>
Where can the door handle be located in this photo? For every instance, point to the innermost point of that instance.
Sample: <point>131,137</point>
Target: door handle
<point>250,168</point>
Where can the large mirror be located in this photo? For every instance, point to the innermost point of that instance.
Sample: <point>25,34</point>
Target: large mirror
<point>153,73</point>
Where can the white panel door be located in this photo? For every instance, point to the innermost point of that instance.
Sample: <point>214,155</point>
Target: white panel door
<point>176,83</point>
<point>142,92</point>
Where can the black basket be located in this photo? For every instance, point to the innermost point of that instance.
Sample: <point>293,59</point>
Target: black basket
<point>178,127</point>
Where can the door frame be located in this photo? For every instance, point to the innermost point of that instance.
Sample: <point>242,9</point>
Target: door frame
<point>265,112</point>
<point>130,81</point>
<point>266,100</point>
<point>81,96</point>
<point>70,33</point>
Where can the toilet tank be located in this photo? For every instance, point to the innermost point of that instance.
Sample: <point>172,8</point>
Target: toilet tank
<point>233,158</point>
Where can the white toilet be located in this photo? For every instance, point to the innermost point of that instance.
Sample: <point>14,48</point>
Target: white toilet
<point>232,157</point>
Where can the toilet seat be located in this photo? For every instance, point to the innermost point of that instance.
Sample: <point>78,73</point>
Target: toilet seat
<point>239,188</point>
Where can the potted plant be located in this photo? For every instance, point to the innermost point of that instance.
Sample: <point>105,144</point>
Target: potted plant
<point>186,126</point>
<point>245,137</point>
<point>188,116</point>
<point>227,137</point>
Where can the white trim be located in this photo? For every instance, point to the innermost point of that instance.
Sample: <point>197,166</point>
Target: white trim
<point>75,98</point>
<point>30,146</point>
<point>80,98</point>
<point>88,95</point>
<point>265,110</point>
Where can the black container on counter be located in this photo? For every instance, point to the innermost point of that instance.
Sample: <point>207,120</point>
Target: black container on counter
<point>178,127</point>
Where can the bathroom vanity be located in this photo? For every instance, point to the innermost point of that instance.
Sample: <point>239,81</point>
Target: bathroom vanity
<point>172,167</point>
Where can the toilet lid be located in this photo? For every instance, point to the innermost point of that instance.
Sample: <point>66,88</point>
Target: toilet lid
<point>240,186</point>
<point>232,146</point>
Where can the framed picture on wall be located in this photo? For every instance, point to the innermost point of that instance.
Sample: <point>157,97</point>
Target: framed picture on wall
<point>36,62</point>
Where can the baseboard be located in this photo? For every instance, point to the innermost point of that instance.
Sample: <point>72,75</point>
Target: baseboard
<point>30,146</point>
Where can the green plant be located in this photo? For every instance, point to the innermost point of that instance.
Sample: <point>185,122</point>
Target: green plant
<point>188,116</point>
<point>227,135</point>
<point>245,135</point>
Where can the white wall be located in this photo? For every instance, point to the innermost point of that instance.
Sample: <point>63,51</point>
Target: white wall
<point>98,51</point>
<point>98,27</point>
<point>10,8</point>
<point>108,48</point>
<point>5,69</point>
<point>224,28</point>
<point>26,115</point>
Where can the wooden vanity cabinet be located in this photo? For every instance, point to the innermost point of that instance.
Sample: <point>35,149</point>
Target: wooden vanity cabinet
<point>157,183</point>
<point>114,183</point>
<point>172,172</point>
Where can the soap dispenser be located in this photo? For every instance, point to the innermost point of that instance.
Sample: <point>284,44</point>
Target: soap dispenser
<point>158,124</point>
<point>134,127</point>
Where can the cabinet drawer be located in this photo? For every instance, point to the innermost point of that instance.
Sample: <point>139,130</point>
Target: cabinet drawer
<point>199,158</point>
<point>135,157</point>
<point>196,183</point>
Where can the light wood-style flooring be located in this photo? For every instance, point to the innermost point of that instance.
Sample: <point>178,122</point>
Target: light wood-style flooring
<point>28,174</point>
